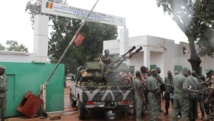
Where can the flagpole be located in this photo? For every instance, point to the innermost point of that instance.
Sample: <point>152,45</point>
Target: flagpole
<point>74,37</point>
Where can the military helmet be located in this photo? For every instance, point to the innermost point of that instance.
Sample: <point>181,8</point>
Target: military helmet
<point>209,70</point>
<point>2,67</point>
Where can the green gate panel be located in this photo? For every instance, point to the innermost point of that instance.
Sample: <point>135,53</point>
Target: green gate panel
<point>23,77</point>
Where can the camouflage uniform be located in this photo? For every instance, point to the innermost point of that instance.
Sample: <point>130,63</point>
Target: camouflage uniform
<point>211,102</point>
<point>181,102</point>
<point>139,104</point>
<point>193,98</point>
<point>152,85</point>
<point>3,90</point>
<point>169,89</point>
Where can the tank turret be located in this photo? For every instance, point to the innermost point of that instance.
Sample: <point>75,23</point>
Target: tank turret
<point>99,72</point>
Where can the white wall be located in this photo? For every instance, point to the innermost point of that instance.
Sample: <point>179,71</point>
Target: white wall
<point>136,60</point>
<point>6,56</point>
<point>164,53</point>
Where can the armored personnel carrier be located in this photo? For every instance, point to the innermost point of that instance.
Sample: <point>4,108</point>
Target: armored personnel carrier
<point>100,86</point>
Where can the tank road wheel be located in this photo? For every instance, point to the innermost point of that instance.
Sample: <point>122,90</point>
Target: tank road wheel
<point>72,102</point>
<point>81,110</point>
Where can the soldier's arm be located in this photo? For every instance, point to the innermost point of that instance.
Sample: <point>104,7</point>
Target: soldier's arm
<point>140,92</point>
<point>187,88</point>
<point>155,89</point>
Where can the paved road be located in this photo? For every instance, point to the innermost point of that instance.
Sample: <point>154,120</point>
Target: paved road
<point>71,114</point>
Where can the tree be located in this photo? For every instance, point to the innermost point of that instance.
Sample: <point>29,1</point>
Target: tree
<point>90,48</point>
<point>2,47</point>
<point>14,46</point>
<point>196,19</point>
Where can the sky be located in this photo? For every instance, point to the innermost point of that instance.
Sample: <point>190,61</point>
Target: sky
<point>143,17</point>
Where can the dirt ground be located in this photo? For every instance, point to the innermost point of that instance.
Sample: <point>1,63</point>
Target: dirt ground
<point>71,114</point>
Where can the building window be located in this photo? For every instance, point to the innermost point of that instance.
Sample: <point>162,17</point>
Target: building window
<point>131,68</point>
<point>153,67</point>
<point>177,69</point>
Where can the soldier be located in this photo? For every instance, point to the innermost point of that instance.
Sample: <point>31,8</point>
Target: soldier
<point>139,95</point>
<point>202,97</point>
<point>210,98</point>
<point>106,57</point>
<point>154,96</point>
<point>180,102</point>
<point>169,91</point>
<point>144,72</point>
<point>193,84</point>
<point>160,83</point>
<point>3,90</point>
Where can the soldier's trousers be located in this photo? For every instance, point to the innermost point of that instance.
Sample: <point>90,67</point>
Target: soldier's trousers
<point>193,109</point>
<point>180,104</point>
<point>139,106</point>
<point>154,106</point>
<point>3,106</point>
<point>167,97</point>
<point>211,109</point>
<point>206,105</point>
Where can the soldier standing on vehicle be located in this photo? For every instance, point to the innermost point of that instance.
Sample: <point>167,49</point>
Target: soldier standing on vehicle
<point>169,91</point>
<point>160,83</point>
<point>154,96</point>
<point>106,57</point>
<point>3,91</point>
<point>210,99</point>
<point>139,95</point>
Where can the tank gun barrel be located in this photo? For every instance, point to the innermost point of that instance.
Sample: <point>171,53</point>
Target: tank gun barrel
<point>138,50</point>
<point>126,57</point>
<point>130,50</point>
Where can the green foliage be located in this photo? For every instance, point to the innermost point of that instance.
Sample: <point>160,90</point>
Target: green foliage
<point>14,46</point>
<point>91,46</point>
<point>196,19</point>
<point>2,47</point>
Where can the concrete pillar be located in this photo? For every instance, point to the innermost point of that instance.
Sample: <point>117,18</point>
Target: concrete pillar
<point>41,38</point>
<point>146,55</point>
<point>124,42</point>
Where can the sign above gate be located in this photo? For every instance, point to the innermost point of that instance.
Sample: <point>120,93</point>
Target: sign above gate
<point>73,12</point>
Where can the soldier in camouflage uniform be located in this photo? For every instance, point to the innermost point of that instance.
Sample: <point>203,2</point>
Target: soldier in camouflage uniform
<point>210,98</point>
<point>169,90</point>
<point>106,57</point>
<point>139,95</point>
<point>154,96</point>
<point>3,90</point>
<point>144,71</point>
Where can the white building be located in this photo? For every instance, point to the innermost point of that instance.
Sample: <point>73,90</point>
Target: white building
<point>156,51</point>
<point>40,46</point>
